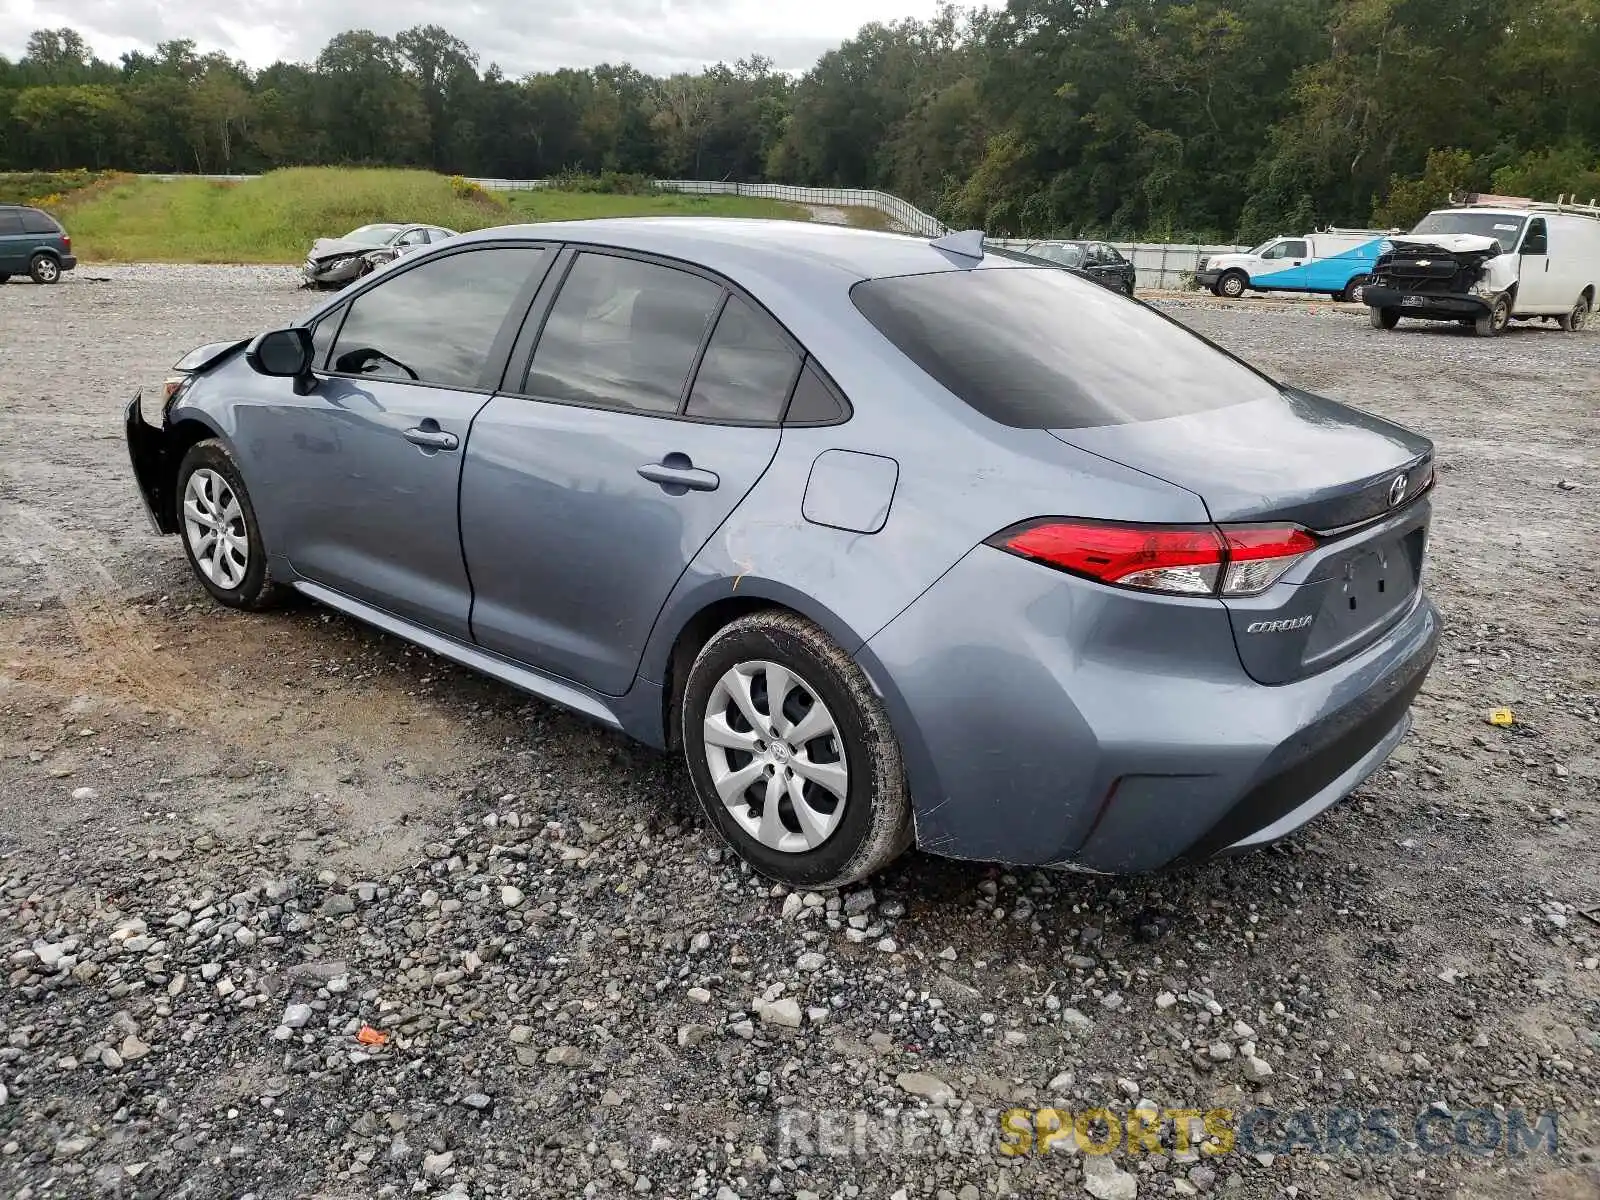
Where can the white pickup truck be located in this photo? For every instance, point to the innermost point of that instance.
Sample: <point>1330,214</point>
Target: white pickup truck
<point>1334,261</point>
<point>1489,262</point>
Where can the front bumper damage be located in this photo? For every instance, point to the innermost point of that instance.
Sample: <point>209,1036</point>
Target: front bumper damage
<point>1432,283</point>
<point>149,450</point>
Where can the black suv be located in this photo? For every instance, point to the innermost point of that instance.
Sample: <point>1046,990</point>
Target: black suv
<point>33,243</point>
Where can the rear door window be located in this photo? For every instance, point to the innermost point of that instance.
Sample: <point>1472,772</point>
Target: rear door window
<point>622,334</point>
<point>436,322</point>
<point>1041,349</point>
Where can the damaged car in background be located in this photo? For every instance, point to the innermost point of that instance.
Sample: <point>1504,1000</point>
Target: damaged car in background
<point>336,261</point>
<point>1488,262</point>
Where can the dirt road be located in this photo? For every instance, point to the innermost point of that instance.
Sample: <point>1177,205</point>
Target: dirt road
<point>229,844</point>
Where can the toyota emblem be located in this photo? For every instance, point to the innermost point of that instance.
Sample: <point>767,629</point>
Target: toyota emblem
<point>1397,490</point>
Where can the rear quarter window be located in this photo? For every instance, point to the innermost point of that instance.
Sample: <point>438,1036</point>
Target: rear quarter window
<point>1035,348</point>
<point>34,221</point>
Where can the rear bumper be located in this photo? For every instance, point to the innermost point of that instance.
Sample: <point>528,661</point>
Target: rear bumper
<point>1427,306</point>
<point>1046,720</point>
<point>67,261</point>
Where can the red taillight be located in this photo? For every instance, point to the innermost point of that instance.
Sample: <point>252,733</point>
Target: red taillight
<point>1240,560</point>
<point>66,240</point>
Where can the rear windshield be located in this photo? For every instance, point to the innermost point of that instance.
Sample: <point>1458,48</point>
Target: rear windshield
<point>1499,226</point>
<point>1042,349</point>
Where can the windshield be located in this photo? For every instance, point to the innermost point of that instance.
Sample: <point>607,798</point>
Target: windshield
<point>1068,254</point>
<point>1262,249</point>
<point>373,235</point>
<point>1504,229</point>
<point>1041,349</point>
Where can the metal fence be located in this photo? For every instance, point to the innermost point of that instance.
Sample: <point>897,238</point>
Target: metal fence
<point>905,217</point>
<point>1157,264</point>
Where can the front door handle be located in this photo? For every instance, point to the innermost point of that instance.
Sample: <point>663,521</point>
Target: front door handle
<point>677,474</point>
<point>429,436</point>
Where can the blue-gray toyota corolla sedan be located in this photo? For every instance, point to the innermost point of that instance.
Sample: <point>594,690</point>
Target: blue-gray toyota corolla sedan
<point>901,541</point>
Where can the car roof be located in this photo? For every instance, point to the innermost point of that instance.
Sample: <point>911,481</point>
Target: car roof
<point>739,247</point>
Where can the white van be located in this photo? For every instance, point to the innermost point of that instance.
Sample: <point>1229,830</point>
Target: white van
<point>1335,261</point>
<point>1488,262</point>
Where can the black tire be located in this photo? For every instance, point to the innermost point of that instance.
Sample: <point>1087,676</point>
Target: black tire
<point>1232,284</point>
<point>44,268</point>
<point>1493,322</point>
<point>1353,290</point>
<point>1383,318</point>
<point>5,279</point>
<point>875,825</point>
<point>1578,317</point>
<point>255,589</point>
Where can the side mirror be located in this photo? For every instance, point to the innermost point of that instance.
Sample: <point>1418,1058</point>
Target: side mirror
<point>285,353</point>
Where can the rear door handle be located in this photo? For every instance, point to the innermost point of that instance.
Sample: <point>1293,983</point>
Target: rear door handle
<point>430,437</point>
<point>677,474</point>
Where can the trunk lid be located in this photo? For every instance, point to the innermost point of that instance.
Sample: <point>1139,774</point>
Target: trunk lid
<point>1299,459</point>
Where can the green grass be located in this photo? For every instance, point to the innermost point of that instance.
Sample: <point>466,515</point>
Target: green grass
<point>274,219</point>
<point>551,205</point>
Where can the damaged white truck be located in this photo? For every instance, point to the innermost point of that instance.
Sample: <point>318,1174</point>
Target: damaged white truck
<point>1489,261</point>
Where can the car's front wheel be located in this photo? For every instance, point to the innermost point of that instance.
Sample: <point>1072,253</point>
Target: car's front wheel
<point>1494,322</point>
<point>791,753</point>
<point>1232,284</point>
<point>1383,318</point>
<point>220,534</point>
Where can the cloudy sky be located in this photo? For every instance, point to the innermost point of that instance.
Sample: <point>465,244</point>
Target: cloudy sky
<point>520,35</point>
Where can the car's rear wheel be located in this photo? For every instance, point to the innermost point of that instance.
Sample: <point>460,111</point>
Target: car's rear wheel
<point>1578,317</point>
<point>1354,290</point>
<point>791,753</point>
<point>1232,284</point>
<point>1383,318</point>
<point>221,536</point>
<point>44,269</point>
<point>5,278</point>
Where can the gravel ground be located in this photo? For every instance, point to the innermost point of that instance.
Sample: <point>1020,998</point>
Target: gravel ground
<point>290,909</point>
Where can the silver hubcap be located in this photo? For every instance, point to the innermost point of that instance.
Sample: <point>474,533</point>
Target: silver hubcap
<point>47,270</point>
<point>213,522</point>
<point>776,757</point>
<point>1232,286</point>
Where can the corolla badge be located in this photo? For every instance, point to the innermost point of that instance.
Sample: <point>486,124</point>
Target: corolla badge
<point>1397,489</point>
<point>1279,626</point>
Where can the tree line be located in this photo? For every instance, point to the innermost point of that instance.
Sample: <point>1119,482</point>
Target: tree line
<point>1231,119</point>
